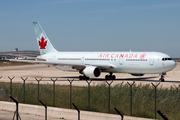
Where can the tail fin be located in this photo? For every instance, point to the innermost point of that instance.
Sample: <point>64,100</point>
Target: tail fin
<point>43,41</point>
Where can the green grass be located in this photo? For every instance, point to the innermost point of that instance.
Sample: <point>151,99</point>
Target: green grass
<point>168,100</point>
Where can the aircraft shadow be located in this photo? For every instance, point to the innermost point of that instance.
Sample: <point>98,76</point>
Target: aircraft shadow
<point>145,79</point>
<point>142,79</point>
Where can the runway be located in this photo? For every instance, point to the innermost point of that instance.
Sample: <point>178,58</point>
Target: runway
<point>46,73</point>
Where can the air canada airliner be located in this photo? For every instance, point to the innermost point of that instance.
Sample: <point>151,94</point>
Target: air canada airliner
<point>92,64</point>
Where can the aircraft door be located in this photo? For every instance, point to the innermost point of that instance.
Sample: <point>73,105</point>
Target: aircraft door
<point>120,61</point>
<point>151,61</point>
<point>54,58</point>
<point>82,60</point>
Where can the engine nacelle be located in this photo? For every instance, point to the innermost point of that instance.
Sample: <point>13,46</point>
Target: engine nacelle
<point>137,74</point>
<point>92,71</point>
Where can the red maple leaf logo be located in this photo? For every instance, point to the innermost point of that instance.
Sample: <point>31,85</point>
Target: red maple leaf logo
<point>142,56</point>
<point>42,43</point>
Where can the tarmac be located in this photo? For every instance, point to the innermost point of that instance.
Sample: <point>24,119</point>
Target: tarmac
<point>48,74</point>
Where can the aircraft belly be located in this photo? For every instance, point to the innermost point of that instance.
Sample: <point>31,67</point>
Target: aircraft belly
<point>133,68</point>
<point>65,68</point>
<point>140,68</point>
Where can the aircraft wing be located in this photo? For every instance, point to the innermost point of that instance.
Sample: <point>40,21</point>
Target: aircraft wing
<point>75,66</point>
<point>27,57</point>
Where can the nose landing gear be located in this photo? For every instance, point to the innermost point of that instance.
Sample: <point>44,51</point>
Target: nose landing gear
<point>161,79</point>
<point>110,77</point>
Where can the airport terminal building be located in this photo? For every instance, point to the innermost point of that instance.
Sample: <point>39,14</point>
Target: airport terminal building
<point>16,54</point>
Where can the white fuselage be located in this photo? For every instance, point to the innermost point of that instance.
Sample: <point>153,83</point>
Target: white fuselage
<point>122,62</point>
<point>91,64</point>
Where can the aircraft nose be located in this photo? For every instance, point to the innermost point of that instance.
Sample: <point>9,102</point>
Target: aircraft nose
<point>169,65</point>
<point>173,64</point>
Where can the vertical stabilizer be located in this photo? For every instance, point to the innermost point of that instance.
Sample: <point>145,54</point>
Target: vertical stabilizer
<point>43,41</point>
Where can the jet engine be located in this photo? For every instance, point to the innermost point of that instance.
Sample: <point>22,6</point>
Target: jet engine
<point>92,71</point>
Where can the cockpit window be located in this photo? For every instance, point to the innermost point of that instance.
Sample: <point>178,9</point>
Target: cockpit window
<point>164,59</point>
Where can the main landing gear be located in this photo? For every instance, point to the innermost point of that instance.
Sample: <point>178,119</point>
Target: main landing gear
<point>161,79</point>
<point>83,77</point>
<point>110,77</point>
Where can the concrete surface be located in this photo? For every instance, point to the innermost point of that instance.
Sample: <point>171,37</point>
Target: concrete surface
<point>42,71</point>
<point>8,115</point>
<point>36,112</point>
<point>45,72</point>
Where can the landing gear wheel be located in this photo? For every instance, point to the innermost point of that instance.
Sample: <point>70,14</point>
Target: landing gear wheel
<point>162,78</point>
<point>83,77</point>
<point>113,77</point>
<point>80,77</point>
<point>86,78</point>
<point>110,77</point>
<point>107,77</point>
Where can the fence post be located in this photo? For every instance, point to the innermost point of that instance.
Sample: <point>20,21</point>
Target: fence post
<point>24,86</point>
<point>131,95</point>
<point>11,84</point>
<point>54,90</point>
<point>177,87</point>
<point>155,86</point>
<point>89,82</point>
<point>77,110</point>
<point>70,81</point>
<point>119,114</point>
<point>109,84</point>
<point>16,112</point>
<point>45,109</point>
<point>38,87</point>
<point>161,114</point>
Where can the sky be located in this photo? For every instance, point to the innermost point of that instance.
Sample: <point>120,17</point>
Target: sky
<point>93,25</point>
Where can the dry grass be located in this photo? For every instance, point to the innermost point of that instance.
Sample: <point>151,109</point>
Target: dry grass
<point>168,100</point>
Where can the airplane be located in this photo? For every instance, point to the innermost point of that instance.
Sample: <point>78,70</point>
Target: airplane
<point>92,64</point>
